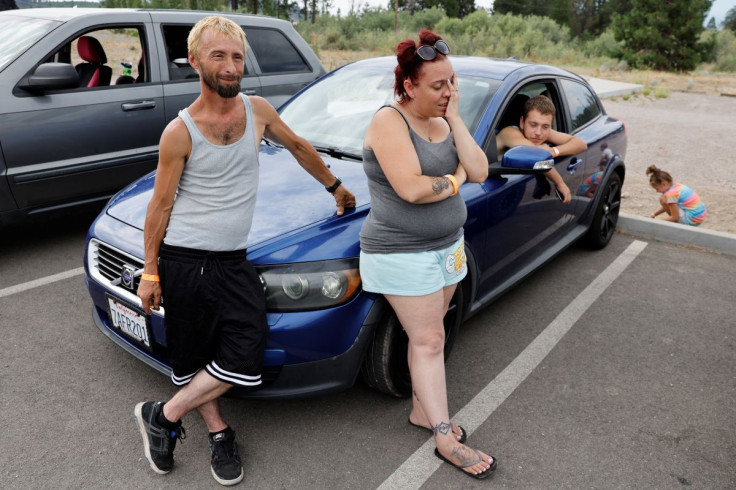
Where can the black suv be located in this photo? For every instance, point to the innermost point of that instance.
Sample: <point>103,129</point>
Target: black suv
<point>86,93</point>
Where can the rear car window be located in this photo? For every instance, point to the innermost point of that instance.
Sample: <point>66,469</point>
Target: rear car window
<point>274,52</point>
<point>583,105</point>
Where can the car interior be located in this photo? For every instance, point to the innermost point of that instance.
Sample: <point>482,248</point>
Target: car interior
<point>515,108</point>
<point>175,37</point>
<point>98,54</point>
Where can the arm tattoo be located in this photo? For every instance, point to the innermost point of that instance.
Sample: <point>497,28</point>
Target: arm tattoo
<point>442,428</point>
<point>439,184</point>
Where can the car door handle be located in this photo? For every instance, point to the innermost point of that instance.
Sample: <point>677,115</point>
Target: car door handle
<point>249,91</point>
<point>573,164</point>
<point>139,106</point>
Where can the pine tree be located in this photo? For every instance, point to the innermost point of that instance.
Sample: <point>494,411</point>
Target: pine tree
<point>664,35</point>
<point>730,21</point>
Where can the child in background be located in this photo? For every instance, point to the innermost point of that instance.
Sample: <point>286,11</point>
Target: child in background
<point>678,201</point>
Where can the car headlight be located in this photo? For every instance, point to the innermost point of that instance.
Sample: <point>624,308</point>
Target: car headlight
<point>309,285</point>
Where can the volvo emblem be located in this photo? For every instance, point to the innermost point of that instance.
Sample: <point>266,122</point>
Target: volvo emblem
<point>127,276</point>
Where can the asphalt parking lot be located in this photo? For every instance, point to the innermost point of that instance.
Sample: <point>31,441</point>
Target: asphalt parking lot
<point>609,369</point>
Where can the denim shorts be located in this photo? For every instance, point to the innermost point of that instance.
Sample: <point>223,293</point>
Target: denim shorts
<point>415,273</point>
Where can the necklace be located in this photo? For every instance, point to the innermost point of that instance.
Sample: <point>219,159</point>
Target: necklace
<point>429,123</point>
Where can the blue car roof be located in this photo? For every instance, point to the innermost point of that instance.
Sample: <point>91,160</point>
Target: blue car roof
<point>495,69</point>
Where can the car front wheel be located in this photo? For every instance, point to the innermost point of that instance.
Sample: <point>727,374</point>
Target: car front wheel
<point>606,214</point>
<point>385,367</point>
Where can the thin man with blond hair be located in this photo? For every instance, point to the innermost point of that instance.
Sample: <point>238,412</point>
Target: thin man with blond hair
<point>195,243</point>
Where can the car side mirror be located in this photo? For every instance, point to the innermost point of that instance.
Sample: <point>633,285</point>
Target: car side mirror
<point>51,76</point>
<point>523,160</point>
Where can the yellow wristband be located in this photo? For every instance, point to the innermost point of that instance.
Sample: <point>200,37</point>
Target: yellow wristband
<point>556,150</point>
<point>453,181</point>
<point>150,277</point>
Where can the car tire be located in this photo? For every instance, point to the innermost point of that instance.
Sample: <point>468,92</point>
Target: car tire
<point>385,367</point>
<point>606,214</point>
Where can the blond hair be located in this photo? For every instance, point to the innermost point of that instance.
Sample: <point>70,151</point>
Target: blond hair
<point>219,25</point>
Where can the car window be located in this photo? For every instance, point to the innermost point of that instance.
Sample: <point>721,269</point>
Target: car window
<point>106,57</point>
<point>582,103</point>
<point>274,52</point>
<point>175,38</point>
<point>515,107</point>
<point>20,33</point>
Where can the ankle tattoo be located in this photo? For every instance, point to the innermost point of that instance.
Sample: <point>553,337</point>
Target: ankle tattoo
<point>442,428</point>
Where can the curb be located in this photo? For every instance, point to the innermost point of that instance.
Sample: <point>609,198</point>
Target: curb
<point>664,231</point>
<point>609,88</point>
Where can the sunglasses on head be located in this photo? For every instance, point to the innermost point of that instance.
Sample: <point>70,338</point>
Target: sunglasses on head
<point>428,53</point>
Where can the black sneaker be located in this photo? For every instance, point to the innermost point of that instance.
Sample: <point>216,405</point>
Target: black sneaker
<point>226,465</point>
<point>158,441</point>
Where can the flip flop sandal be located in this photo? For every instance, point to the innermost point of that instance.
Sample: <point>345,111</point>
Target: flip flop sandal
<point>463,434</point>
<point>479,476</point>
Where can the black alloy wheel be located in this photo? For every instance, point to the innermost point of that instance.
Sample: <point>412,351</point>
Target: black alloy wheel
<point>606,214</point>
<point>385,367</point>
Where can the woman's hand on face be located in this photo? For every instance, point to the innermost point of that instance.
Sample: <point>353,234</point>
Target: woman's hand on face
<point>453,105</point>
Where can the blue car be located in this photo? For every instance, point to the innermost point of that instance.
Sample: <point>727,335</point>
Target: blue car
<point>325,330</point>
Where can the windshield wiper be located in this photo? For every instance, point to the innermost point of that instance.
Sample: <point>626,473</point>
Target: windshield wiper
<point>337,153</point>
<point>328,150</point>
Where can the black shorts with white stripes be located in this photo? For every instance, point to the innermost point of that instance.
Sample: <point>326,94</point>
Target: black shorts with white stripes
<point>215,315</point>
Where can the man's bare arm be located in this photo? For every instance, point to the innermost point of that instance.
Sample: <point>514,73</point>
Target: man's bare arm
<point>276,129</point>
<point>174,147</point>
<point>566,144</point>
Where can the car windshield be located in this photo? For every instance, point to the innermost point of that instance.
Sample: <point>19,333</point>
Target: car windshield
<point>334,113</point>
<point>19,33</point>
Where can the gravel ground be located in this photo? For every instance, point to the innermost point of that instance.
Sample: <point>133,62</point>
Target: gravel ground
<point>692,137</point>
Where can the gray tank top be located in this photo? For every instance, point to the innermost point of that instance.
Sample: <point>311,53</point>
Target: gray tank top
<point>395,225</point>
<point>213,208</point>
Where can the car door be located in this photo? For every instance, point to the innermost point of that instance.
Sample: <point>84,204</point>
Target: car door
<point>524,217</point>
<point>84,143</point>
<point>587,121</point>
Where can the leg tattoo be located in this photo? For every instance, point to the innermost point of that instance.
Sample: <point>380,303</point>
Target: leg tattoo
<point>465,455</point>
<point>442,428</point>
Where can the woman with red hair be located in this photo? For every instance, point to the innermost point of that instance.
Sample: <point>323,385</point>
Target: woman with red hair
<point>417,153</point>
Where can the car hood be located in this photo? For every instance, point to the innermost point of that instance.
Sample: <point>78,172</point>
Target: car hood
<point>288,197</point>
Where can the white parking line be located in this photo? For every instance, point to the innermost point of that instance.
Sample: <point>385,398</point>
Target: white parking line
<point>18,288</point>
<point>422,464</point>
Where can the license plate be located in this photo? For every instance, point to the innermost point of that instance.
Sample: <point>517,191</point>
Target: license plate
<point>129,321</point>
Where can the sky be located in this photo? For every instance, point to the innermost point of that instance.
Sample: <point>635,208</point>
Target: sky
<point>718,10</point>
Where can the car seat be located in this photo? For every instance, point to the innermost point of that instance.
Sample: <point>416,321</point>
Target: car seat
<point>179,67</point>
<point>513,112</point>
<point>141,78</point>
<point>93,73</point>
